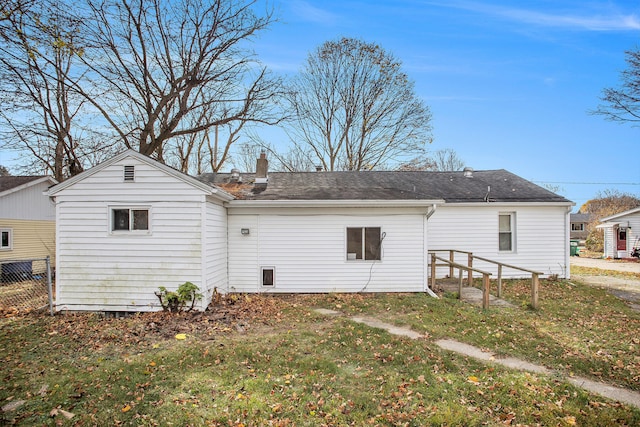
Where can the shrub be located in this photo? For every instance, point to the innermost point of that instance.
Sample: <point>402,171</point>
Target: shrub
<point>174,301</point>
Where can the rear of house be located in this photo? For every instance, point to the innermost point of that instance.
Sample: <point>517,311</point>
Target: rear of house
<point>131,225</point>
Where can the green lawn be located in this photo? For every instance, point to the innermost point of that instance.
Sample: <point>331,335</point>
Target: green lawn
<point>267,360</point>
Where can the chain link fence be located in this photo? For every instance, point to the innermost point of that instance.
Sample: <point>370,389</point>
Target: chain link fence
<point>25,285</point>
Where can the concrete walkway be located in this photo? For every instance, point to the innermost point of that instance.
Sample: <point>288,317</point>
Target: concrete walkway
<point>615,393</point>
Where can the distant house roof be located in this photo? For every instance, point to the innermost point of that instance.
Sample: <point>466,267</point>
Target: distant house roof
<point>452,187</point>
<point>580,217</point>
<point>8,184</point>
<point>621,214</point>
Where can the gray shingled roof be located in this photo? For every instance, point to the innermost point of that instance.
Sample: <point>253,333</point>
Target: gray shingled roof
<point>9,182</point>
<point>453,187</point>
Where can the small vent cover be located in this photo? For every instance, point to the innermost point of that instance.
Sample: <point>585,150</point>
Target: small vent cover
<point>129,173</point>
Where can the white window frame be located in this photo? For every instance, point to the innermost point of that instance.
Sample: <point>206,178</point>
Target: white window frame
<point>9,231</point>
<point>130,230</point>
<point>350,256</point>
<point>511,231</point>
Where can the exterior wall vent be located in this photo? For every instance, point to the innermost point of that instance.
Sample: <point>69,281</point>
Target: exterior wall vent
<point>129,173</point>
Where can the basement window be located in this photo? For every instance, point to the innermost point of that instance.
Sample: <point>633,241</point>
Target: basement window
<point>268,277</point>
<point>6,239</point>
<point>129,219</point>
<point>363,243</point>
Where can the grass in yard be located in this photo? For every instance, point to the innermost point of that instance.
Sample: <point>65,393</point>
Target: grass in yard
<point>274,361</point>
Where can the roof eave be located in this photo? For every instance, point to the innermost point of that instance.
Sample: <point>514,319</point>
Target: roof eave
<point>333,203</point>
<point>29,184</point>
<point>618,215</point>
<point>511,203</point>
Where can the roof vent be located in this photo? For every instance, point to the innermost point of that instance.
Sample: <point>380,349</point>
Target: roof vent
<point>467,172</point>
<point>235,175</point>
<point>319,168</point>
<point>129,173</point>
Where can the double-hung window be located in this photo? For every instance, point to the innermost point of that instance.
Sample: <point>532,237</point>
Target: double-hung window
<point>577,227</point>
<point>506,232</point>
<point>6,239</point>
<point>364,243</point>
<point>125,219</point>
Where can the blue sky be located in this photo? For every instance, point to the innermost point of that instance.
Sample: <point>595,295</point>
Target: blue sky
<point>509,83</point>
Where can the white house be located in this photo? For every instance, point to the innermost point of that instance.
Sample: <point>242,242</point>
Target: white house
<point>27,222</point>
<point>621,233</point>
<point>288,232</point>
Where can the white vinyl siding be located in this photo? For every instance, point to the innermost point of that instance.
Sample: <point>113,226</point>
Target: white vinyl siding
<point>542,237</point>
<point>28,204</point>
<point>308,251</point>
<point>244,273</point>
<point>97,270</point>
<point>216,248</point>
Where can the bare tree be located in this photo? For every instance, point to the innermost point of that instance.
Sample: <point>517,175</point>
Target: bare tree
<point>442,160</point>
<point>354,107</point>
<point>623,104</point>
<point>40,110</point>
<point>163,70</point>
<point>4,171</point>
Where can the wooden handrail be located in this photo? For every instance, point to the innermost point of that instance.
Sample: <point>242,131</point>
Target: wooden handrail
<point>535,275</point>
<point>486,282</point>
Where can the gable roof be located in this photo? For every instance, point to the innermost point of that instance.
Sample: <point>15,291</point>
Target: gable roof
<point>11,184</point>
<point>208,189</point>
<point>621,214</point>
<point>452,187</point>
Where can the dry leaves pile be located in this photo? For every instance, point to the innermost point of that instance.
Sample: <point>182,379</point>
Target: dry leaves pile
<point>232,313</point>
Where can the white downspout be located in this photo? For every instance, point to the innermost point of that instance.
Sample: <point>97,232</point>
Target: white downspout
<point>428,215</point>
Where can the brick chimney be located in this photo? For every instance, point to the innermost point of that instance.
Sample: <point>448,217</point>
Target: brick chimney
<point>262,166</point>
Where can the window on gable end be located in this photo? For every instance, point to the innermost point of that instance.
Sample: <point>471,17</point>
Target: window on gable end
<point>129,219</point>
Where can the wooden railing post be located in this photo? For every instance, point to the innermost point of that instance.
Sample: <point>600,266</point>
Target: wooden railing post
<point>499,280</point>
<point>433,271</point>
<point>470,273</point>
<point>486,287</point>
<point>460,283</point>
<point>452,259</point>
<point>534,290</point>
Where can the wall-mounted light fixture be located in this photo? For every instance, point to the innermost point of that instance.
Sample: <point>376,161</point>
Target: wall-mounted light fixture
<point>244,231</point>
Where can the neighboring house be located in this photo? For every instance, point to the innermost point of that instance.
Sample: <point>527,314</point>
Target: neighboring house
<point>131,225</point>
<point>27,218</point>
<point>579,223</point>
<point>621,233</point>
